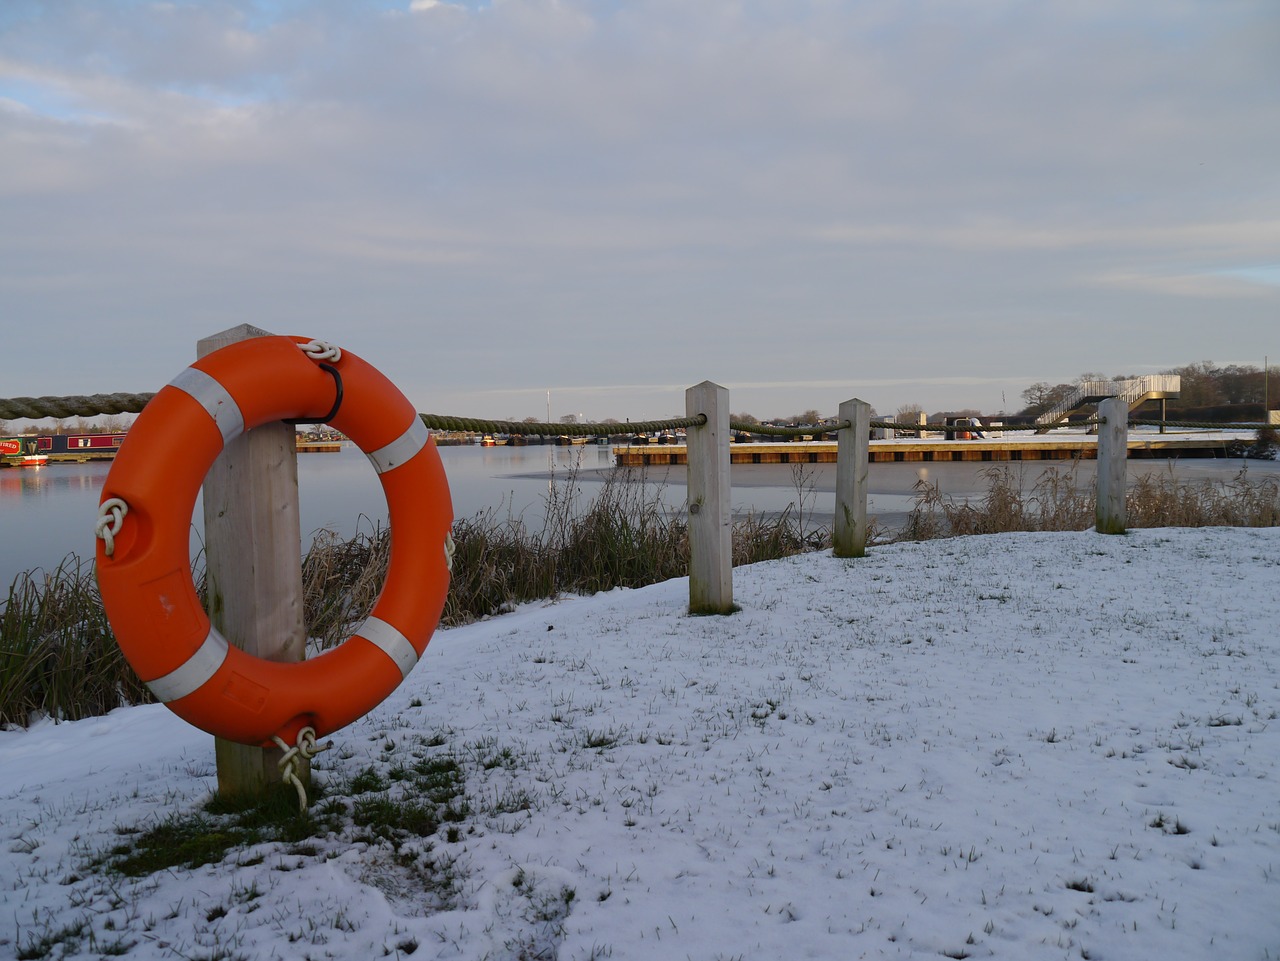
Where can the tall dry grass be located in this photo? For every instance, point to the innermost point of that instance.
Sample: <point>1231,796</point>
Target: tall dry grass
<point>1241,502</point>
<point>1059,501</point>
<point>625,537</point>
<point>58,656</point>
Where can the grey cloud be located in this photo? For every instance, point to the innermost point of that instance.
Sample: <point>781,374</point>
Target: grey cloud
<point>728,179</point>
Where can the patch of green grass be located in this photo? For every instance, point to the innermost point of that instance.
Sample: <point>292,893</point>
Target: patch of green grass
<point>224,825</point>
<point>402,804</point>
<point>367,782</point>
<point>68,935</point>
<point>439,780</point>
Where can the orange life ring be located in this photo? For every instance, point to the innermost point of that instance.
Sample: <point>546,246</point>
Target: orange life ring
<point>146,583</point>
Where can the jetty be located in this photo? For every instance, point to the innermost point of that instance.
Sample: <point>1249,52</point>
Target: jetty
<point>1057,445</point>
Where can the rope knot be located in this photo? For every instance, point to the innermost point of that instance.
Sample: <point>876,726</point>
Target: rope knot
<point>306,748</point>
<point>321,350</point>
<point>110,518</point>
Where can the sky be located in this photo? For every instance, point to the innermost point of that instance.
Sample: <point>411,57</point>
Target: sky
<point>932,203</point>
<point>924,753</point>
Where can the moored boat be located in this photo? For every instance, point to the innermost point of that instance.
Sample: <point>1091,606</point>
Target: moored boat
<point>22,452</point>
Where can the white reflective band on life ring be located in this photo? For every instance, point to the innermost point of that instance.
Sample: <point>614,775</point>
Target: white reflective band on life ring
<point>214,398</point>
<point>401,450</point>
<point>388,639</point>
<point>195,673</point>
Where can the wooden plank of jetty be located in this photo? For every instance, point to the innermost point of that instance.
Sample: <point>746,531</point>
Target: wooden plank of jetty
<point>1037,448</point>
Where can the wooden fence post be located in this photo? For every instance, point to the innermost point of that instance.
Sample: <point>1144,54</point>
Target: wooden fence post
<point>1113,451</point>
<point>253,565</point>
<point>710,523</point>
<point>849,538</point>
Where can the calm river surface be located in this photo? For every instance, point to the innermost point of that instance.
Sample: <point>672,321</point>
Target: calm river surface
<point>48,513</point>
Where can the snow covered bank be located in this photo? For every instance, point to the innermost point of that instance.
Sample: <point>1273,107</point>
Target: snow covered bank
<point>1018,746</point>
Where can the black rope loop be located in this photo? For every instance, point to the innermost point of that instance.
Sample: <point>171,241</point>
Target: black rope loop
<point>337,402</point>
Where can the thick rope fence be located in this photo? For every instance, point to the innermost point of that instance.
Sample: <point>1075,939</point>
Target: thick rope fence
<point>476,425</point>
<point>81,405</point>
<point>92,405</point>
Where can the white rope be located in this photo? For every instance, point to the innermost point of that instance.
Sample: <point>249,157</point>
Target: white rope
<point>110,516</point>
<point>448,551</point>
<point>321,350</point>
<point>305,748</point>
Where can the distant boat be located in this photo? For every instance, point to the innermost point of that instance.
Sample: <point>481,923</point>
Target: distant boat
<point>22,452</point>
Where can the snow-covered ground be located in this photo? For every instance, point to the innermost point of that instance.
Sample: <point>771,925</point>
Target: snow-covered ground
<point>1019,746</point>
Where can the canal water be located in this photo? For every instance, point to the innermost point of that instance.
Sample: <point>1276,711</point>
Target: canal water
<point>48,513</point>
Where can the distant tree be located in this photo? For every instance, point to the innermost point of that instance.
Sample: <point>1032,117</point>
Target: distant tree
<point>809,417</point>
<point>1034,395</point>
<point>568,418</point>
<point>611,420</point>
<point>1200,386</point>
<point>1241,384</point>
<point>530,420</point>
<point>908,414</point>
<point>1041,397</point>
<point>744,418</point>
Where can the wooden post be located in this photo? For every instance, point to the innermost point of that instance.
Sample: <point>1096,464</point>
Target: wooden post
<point>1113,450</point>
<point>852,445</point>
<point>253,565</point>
<point>710,524</point>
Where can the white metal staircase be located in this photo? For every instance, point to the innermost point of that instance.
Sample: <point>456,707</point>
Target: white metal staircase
<point>1135,391</point>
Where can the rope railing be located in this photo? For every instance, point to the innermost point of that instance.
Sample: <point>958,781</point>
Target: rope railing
<point>91,405</point>
<point>82,405</point>
<point>477,425</point>
<point>768,430</point>
<point>1199,425</point>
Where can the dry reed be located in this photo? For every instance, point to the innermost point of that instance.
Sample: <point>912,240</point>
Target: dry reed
<point>58,656</point>
<point>1057,501</point>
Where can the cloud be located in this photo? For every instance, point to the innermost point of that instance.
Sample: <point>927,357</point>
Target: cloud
<point>1215,285</point>
<point>1266,274</point>
<point>1205,284</point>
<point>881,192</point>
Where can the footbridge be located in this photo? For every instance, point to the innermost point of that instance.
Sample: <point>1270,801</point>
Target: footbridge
<point>1135,391</point>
